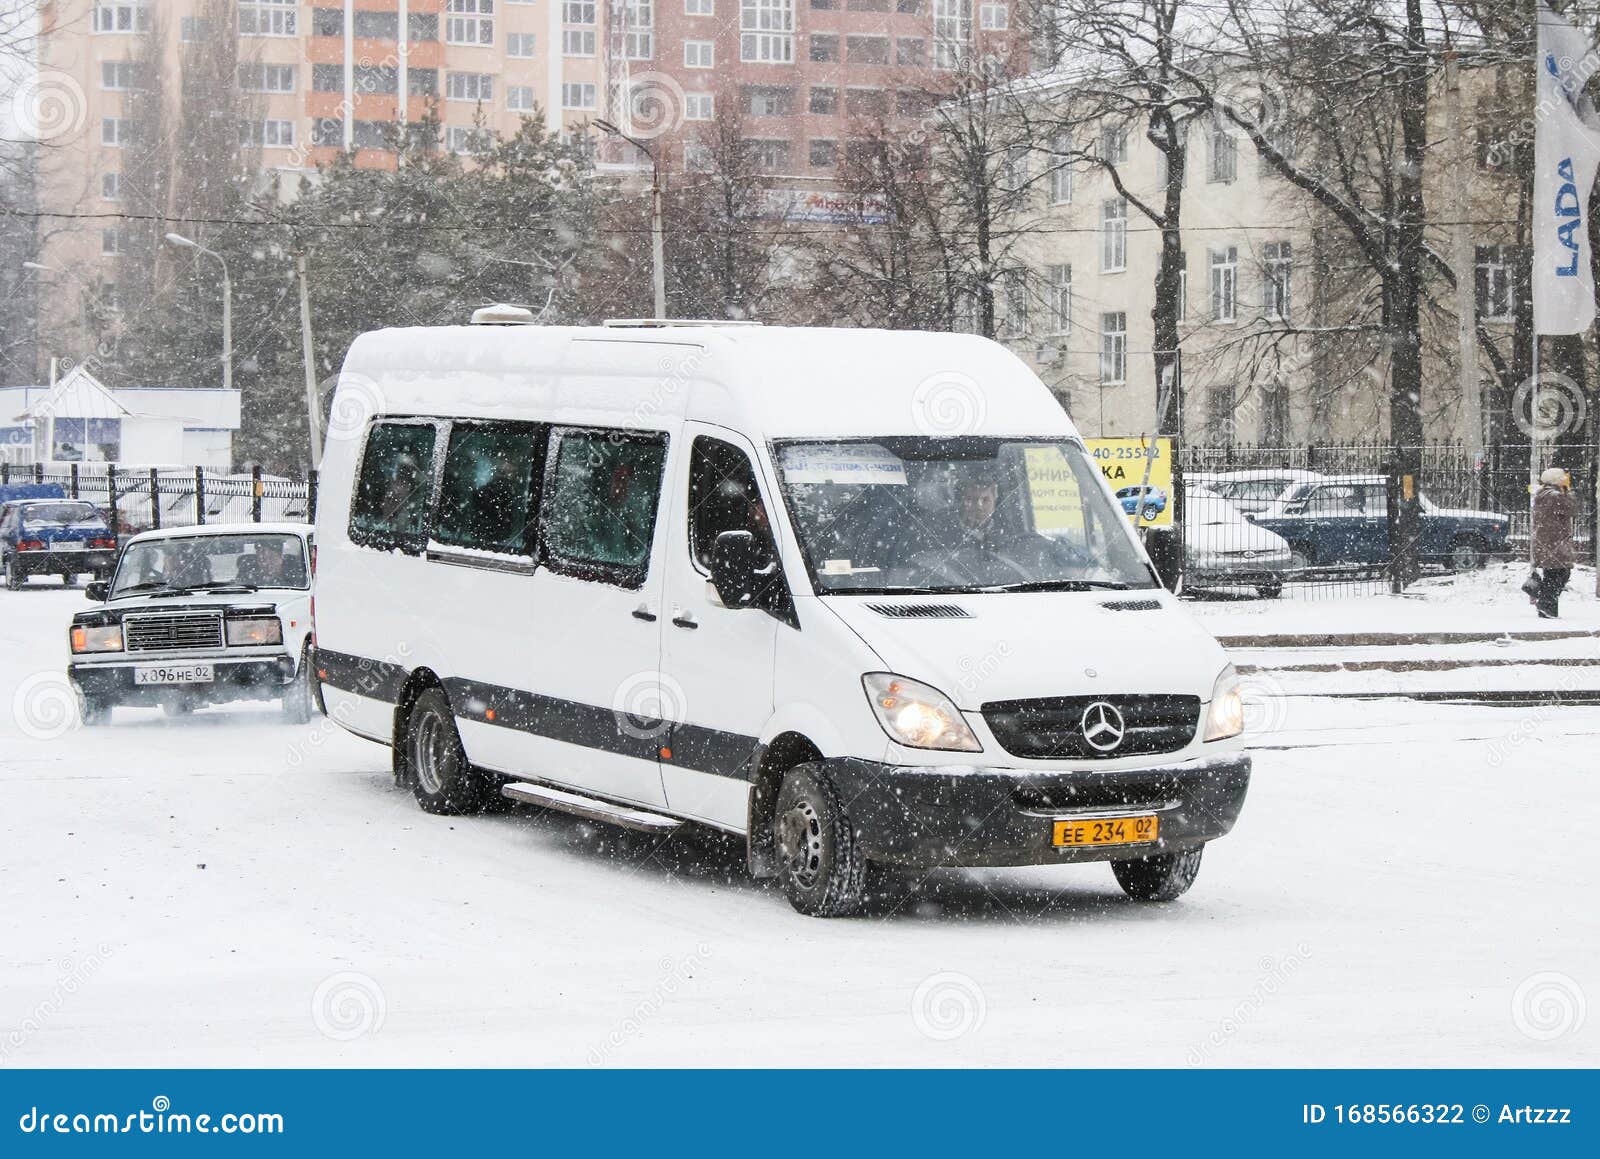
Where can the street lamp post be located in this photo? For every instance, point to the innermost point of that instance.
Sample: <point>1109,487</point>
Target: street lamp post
<point>657,241</point>
<point>181,242</point>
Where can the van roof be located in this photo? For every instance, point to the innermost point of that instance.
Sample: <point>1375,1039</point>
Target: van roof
<point>768,381</point>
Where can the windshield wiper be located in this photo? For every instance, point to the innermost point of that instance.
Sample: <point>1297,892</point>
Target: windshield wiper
<point>218,587</point>
<point>151,586</point>
<point>1073,585</point>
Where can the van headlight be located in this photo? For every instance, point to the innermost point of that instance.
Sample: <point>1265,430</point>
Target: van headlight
<point>1225,718</point>
<point>254,632</point>
<point>106,638</point>
<point>917,715</point>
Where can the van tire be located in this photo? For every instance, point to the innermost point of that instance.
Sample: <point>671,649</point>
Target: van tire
<point>1164,877</point>
<point>441,777</point>
<point>820,862</point>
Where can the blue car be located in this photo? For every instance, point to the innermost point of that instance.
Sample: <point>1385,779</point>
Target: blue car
<point>64,537</point>
<point>1343,520</point>
<point>1155,501</point>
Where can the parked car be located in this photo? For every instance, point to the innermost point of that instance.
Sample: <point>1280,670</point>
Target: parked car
<point>1154,501</point>
<point>1253,490</point>
<point>1344,520</point>
<point>1224,549</point>
<point>196,616</point>
<point>751,601</point>
<point>64,537</point>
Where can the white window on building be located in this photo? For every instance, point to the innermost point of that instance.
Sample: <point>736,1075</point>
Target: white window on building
<point>1114,144</point>
<point>267,134</point>
<point>119,74</point>
<point>1277,267</point>
<point>766,31</point>
<point>698,107</point>
<point>699,7</point>
<point>699,54</point>
<point>994,17</point>
<point>266,78</point>
<point>1016,318</point>
<point>1495,278</point>
<point>111,241</point>
<point>466,140</point>
<point>578,33</point>
<point>1114,235</point>
<point>111,186</point>
<point>193,29</point>
<point>1060,170</point>
<point>1225,284</point>
<point>638,21</point>
<point>268,17</point>
<point>520,98</point>
<point>469,22</point>
<point>1224,153</point>
<point>126,16</point>
<point>1013,168</point>
<point>521,44</point>
<point>1058,298</point>
<point>577,96</point>
<point>115,131</point>
<point>952,33</point>
<point>468,86</point>
<point>1114,347</point>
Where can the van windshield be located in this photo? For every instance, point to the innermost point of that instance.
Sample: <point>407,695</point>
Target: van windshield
<point>965,514</point>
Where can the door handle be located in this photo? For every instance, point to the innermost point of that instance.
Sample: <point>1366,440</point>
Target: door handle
<point>643,612</point>
<point>685,620</point>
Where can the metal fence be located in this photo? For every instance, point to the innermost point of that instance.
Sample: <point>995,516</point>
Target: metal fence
<point>137,499</point>
<point>1322,520</point>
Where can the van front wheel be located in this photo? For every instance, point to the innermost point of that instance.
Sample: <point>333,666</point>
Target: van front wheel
<point>823,868</point>
<point>443,780</point>
<point>1165,877</point>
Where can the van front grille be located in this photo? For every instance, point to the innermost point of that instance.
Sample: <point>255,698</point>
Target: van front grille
<point>1053,728</point>
<point>172,633</point>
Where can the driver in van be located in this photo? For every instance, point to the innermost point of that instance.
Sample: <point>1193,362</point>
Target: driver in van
<point>976,500</point>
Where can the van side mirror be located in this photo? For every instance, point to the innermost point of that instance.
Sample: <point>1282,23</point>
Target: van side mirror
<point>98,590</point>
<point>736,566</point>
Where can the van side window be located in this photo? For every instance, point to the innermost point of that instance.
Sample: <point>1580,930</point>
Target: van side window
<point>486,487</point>
<point>598,515</point>
<point>723,496</point>
<point>396,482</point>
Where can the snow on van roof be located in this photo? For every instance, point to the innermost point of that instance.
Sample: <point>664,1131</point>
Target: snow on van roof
<point>769,381</point>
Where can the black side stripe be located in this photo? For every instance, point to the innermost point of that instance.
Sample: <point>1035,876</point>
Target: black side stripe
<point>693,746</point>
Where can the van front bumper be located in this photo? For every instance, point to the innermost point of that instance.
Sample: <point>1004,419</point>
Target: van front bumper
<point>974,816</point>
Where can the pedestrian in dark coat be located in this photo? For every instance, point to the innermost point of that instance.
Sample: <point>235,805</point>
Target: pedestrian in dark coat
<point>1553,551</point>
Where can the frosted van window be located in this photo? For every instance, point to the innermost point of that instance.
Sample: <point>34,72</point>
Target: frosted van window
<point>396,483</point>
<point>598,515</point>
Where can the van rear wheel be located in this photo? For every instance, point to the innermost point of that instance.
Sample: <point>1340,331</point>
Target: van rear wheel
<point>441,777</point>
<point>1165,877</point>
<point>823,868</point>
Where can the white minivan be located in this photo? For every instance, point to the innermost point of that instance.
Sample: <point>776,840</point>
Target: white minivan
<point>860,597</point>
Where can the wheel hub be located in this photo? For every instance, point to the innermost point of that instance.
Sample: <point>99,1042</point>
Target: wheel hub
<point>800,843</point>
<point>427,755</point>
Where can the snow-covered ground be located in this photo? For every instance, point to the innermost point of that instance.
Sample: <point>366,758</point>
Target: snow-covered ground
<point>1488,600</point>
<point>1410,885</point>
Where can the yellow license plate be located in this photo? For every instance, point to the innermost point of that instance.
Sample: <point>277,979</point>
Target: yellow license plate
<point>1107,831</point>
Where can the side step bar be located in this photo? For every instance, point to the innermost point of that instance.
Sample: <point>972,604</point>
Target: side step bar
<point>590,808</point>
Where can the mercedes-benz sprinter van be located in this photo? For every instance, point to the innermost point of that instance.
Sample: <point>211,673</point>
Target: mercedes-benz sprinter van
<point>858,596</point>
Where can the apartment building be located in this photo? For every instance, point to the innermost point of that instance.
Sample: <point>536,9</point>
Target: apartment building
<point>337,75</point>
<point>1272,302</point>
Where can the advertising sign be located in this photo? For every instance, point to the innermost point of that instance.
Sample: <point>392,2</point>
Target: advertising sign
<point>1140,472</point>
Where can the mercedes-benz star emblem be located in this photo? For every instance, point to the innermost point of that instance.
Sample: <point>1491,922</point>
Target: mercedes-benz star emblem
<point>1103,726</point>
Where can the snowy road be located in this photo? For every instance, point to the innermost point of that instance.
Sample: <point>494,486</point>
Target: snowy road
<point>1409,885</point>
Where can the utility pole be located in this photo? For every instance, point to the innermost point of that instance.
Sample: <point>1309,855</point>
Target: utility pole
<point>308,350</point>
<point>1464,259</point>
<point>658,273</point>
